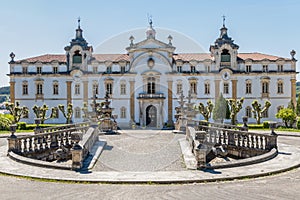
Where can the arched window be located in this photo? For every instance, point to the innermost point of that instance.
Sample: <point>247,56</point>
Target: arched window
<point>225,56</point>
<point>123,112</point>
<point>151,85</point>
<point>77,112</point>
<point>77,57</point>
<point>248,112</point>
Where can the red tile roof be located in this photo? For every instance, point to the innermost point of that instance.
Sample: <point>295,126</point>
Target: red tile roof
<point>192,56</point>
<point>47,58</point>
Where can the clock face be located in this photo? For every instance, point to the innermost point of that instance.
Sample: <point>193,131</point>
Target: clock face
<point>77,75</point>
<point>226,76</point>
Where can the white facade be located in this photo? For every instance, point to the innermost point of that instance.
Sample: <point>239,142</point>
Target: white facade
<point>139,81</point>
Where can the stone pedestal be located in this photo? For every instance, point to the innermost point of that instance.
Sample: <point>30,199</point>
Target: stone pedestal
<point>76,152</point>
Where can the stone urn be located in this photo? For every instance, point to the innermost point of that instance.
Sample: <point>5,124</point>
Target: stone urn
<point>12,129</point>
<point>272,126</point>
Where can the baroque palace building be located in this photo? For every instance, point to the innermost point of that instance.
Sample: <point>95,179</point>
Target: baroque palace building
<point>145,83</point>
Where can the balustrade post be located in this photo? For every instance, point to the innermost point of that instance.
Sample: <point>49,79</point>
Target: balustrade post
<point>12,139</point>
<point>245,121</point>
<point>37,129</point>
<point>76,151</point>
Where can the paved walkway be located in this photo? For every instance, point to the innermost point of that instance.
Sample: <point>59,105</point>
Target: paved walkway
<point>288,157</point>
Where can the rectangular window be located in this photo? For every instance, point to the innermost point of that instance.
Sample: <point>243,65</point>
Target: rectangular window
<point>179,69</point>
<point>95,69</point>
<point>249,112</point>
<point>248,68</point>
<point>206,88</point>
<point>39,88</point>
<point>77,89</point>
<point>109,88</point>
<point>179,88</point>
<point>25,89</point>
<point>123,113</point>
<point>207,68</point>
<point>25,70</point>
<point>55,70</point>
<point>280,88</point>
<point>109,70</point>
<point>193,69</point>
<point>55,89</point>
<point>38,70</point>
<point>122,69</point>
<point>95,89</point>
<point>248,88</point>
<point>193,87</point>
<point>280,68</point>
<point>226,88</point>
<point>265,68</point>
<point>265,87</point>
<point>123,89</point>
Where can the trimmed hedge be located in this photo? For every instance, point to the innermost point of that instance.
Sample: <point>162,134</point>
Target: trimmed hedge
<point>25,126</point>
<point>255,126</point>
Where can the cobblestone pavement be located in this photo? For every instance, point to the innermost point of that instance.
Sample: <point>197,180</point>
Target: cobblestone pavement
<point>283,186</point>
<point>141,150</point>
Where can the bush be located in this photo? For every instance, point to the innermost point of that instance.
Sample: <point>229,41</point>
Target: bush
<point>22,125</point>
<point>298,124</point>
<point>266,124</point>
<point>255,126</point>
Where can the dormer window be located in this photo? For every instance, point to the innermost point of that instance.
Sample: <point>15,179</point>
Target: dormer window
<point>77,57</point>
<point>39,70</point>
<point>193,69</point>
<point>265,68</point>
<point>225,56</point>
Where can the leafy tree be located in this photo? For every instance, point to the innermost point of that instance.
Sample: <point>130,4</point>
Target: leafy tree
<point>205,111</point>
<point>5,122</point>
<point>40,112</point>
<point>235,106</point>
<point>287,115</point>
<point>298,106</point>
<point>67,113</point>
<point>16,111</point>
<point>258,110</point>
<point>221,110</point>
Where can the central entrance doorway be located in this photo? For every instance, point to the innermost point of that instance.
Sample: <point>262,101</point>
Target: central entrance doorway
<point>151,116</point>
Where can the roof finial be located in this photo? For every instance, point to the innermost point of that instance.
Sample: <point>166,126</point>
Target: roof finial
<point>78,20</point>
<point>223,20</point>
<point>150,20</point>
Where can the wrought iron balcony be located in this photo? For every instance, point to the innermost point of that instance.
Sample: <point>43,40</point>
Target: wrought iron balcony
<point>151,96</point>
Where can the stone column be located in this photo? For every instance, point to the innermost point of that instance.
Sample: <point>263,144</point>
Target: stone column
<point>234,88</point>
<point>132,100</point>
<point>293,91</point>
<point>85,91</point>
<point>170,103</point>
<point>217,89</point>
<point>12,91</point>
<point>69,92</point>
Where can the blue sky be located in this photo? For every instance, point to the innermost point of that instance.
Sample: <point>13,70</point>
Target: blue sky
<point>30,28</point>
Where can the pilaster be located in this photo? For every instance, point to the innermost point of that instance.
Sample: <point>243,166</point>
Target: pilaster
<point>12,91</point>
<point>217,89</point>
<point>69,92</point>
<point>293,91</point>
<point>170,103</point>
<point>234,88</point>
<point>132,100</point>
<point>85,91</point>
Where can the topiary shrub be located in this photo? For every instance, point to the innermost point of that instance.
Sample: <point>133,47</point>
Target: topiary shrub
<point>266,124</point>
<point>22,125</point>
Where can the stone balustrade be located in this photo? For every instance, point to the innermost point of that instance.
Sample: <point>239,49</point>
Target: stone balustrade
<point>63,127</point>
<point>43,145</point>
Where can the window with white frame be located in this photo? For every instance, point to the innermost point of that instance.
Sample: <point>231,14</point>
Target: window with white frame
<point>206,88</point>
<point>280,68</point>
<point>77,113</point>
<point>123,113</point>
<point>280,87</point>
<point>25,70</point>
<point>55,70</point>
<point>265,68</point>
<point>55,88</point>
<point>265,87</point>
<point>123,88</point>
<point>226,88</point>
<point>39,70</point>
<point>151,85</point>
<point>108,88</point>
<point>248,68</point>
<point>77,89</point>
<point>248,87</point>
<point>179,87</point>
<point>39,88</point>
<point>248,112</point>
<point>109,69</point>
<point>193,69</point>
<point>193,87</point>
<point>25,88</point>
<point>95,88</point>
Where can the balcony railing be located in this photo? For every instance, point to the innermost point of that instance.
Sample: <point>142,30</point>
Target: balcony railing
<point>151,96</point>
